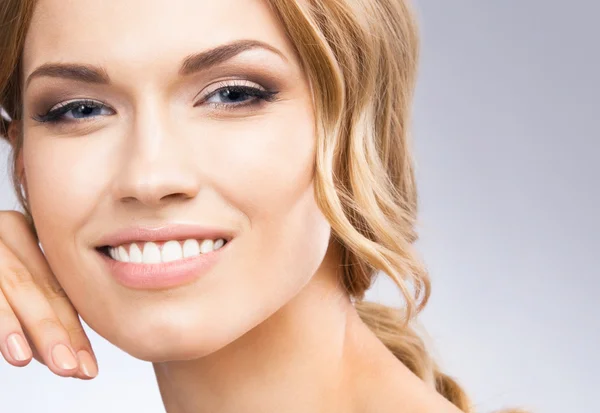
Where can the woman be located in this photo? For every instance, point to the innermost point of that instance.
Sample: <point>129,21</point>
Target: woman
<point>214,186</point>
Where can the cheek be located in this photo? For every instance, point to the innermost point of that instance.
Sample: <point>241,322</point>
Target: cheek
<point>269,162</point>
<point>63,193</point>
<point>62,187</point>
<point>269,179</point>
<point>272,164</point>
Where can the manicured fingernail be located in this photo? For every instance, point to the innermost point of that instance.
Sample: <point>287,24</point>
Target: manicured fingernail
<point>18,347</point>
<point>88,365</point>
<point>63,357</point>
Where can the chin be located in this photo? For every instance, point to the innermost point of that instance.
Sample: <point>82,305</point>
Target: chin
<point>161,333</point>
<point>182,350</point>
<point>170,341</point>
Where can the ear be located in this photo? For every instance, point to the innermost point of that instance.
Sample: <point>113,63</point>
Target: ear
<point>14,130</point>
<point>14,133</point>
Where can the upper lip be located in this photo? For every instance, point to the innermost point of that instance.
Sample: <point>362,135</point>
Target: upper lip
<point>164,233</point>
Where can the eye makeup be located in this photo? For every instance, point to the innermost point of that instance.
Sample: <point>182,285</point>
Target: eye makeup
<point>227,90</point>
<point>240,90</point>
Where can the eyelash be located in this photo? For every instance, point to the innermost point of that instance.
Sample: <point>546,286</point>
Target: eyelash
<point>258,96</point>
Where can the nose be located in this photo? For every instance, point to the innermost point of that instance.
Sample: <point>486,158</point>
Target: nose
<point>155,168</point>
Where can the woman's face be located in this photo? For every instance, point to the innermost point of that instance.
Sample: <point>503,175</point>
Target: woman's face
<point>225,141</point>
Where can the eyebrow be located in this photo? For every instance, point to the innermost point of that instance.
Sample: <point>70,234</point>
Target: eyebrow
<point>191,64</point>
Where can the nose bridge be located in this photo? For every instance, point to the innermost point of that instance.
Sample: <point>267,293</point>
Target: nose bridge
<point>153,160</point>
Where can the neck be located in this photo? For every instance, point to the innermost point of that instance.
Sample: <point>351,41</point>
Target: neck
<point>295,361</point>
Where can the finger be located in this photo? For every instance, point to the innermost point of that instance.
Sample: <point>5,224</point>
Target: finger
<point>79,339</point>
<point>36,315</point>
<point>13,344</point>
<point>24,245</point>
<point>36,354</point>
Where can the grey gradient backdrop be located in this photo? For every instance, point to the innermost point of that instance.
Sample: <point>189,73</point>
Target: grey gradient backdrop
<point>507,145</point>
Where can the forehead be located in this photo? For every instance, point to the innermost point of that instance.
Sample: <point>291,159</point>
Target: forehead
<point>144,32</point>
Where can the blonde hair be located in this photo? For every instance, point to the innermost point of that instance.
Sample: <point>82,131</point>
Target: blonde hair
<point>361,59</point>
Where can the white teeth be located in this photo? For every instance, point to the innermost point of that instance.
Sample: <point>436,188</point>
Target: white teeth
<point>206,246</point>
<point>122,254</point>
<point>135,254</point>
<point>191,248</point>
<point>171,251</point>
<point>218,244</point>
<point>151,253</point>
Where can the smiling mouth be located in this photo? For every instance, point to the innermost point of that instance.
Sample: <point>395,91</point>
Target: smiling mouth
<point>143,252</point>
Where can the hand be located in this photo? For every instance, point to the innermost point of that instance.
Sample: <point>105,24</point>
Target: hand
<point>37,319</point>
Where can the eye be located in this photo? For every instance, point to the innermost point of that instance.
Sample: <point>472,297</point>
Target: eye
<point>75,111</point>
<point>226,95</point>
<point>237,94</point>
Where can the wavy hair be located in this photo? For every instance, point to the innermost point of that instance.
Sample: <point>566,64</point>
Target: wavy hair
<point>361,58</point>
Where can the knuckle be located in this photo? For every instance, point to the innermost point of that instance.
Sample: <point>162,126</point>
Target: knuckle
<point>53,290</point>
<point>75,330</point>
<point>50,324</point>
<point>17,278</point>
<point>10,218</point>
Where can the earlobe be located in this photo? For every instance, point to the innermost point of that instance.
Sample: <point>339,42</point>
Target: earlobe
<point>14,130</point>
<point>20,171</point>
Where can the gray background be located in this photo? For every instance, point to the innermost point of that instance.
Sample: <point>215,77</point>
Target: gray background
<point>507,147</point>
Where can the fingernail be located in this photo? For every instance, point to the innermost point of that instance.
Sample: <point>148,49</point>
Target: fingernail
<point>18,347</point>
<point>63,357</point>
<point>88,365</point>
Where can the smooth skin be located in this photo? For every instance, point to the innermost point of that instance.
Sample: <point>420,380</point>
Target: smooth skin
<point>270,328</point>
<point>35,312</point>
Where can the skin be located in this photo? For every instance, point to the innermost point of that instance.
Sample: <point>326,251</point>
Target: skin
<point>271,328</point>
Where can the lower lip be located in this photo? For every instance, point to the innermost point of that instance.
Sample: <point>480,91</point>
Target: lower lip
<point>163,275</point>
